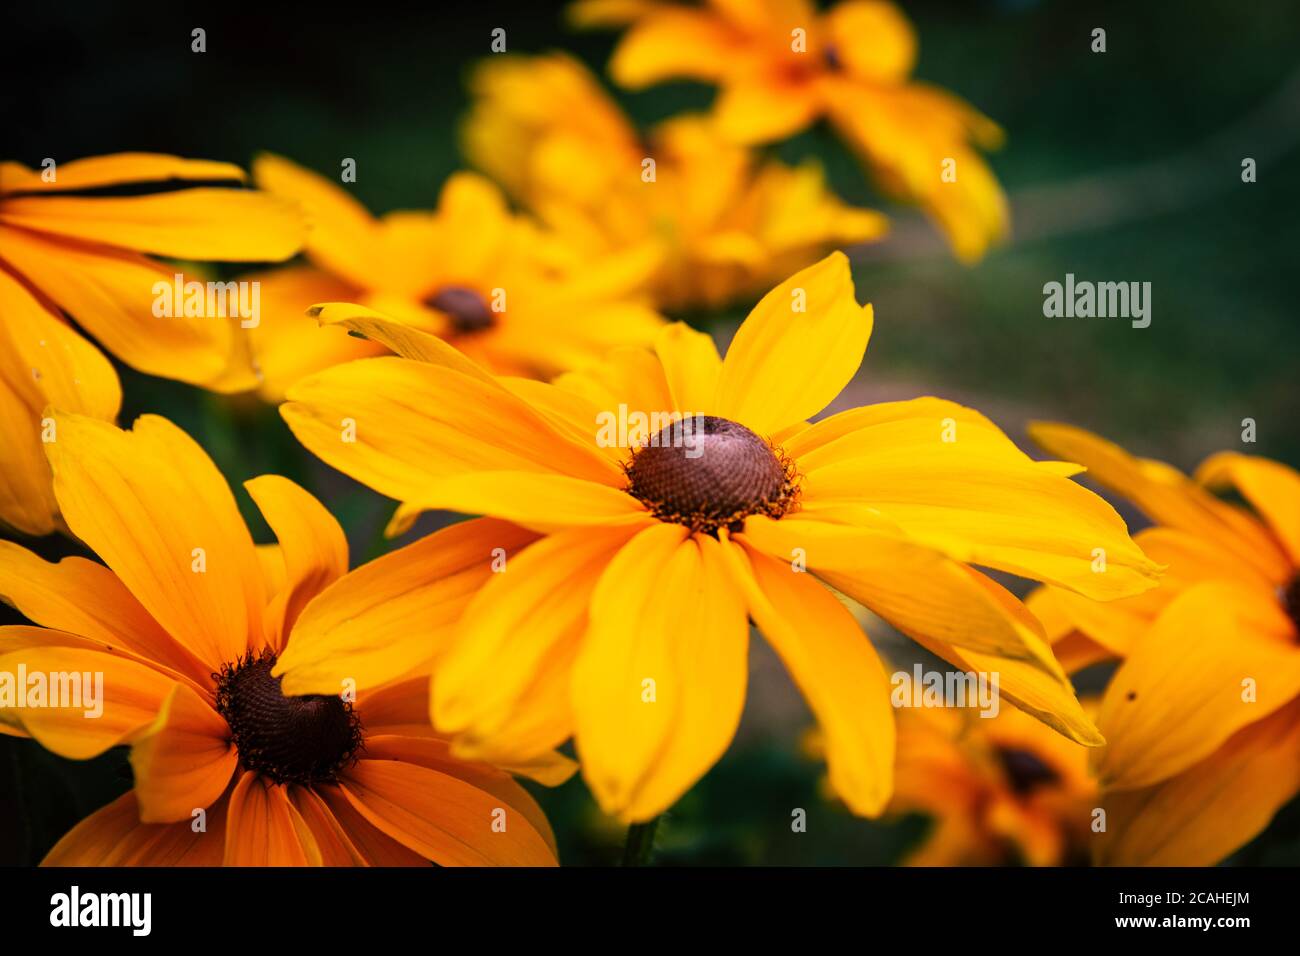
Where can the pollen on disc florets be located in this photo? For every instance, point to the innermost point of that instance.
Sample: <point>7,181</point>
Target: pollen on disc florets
<point>466,308</point>
<point>307,739</point>
<point>709,473</point>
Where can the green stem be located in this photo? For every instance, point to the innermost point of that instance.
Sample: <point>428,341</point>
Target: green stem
<point>640,843</point>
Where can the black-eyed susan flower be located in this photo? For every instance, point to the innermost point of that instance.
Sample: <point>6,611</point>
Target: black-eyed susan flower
<point>716,223</point>
<point>780,66</point>
<point>1202,718</point>
<point>184,624</point>
<point>69,251</point>
<point>680,494</point>
<point>469,271</point>
<point>998,790</point>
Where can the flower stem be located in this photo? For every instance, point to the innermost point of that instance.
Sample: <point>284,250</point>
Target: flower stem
<point>640,843</point>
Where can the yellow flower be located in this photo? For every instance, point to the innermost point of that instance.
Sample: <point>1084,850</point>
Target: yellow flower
<point>999,790</point>
<point>715,223</point>
<point>178,635</point>
<point>63,252</point>
<point>780,66</point>
<point>1202,718</point>
<point>625,626</point>
<point>469,271</point>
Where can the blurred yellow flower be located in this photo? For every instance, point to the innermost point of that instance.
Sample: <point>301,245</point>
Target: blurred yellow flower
<point>491,282</point>
<point>999,790</point>
<point>180,633</point>
<point>680,494</point>
<point>67,251</point>
<point>1202,718</point>
<point>780,66</point>
<point>716,223</point>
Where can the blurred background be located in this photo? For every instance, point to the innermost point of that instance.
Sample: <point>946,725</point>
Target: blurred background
<point>1119,166</point>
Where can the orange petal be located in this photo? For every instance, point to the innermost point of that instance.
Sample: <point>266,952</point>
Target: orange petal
<point>184,760</point>
<point>263,828</point>
<point>115,836</point>
<point>114,170</point>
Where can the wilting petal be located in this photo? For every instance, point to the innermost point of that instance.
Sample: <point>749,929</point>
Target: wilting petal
<point>312,545</point>
<point>263,828</point>
<point>1218,659</point>
<point>1199,816</point>
<point>392,616</point>
<point>443,818</point>
<point>836,668</point>
<point>799,347</point>
<point>153,505</point>
<point>184,760</point>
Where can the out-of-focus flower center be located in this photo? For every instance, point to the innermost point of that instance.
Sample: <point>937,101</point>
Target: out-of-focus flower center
<point>466,308</point>
<point>289,739</point>
<point>709,473</point>
<point>1025,771</point>
<point>1291,601</point>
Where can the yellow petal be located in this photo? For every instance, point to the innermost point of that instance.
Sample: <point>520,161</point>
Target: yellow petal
<point>764,107</point>
<point>872,40</point>
<point>233,225</point>
<point>312,546</point>
<point>836,668</point>
<point>692,367</point>
<point>183,761</point>
<point>398,425</point>
<point>912,587</point>
<point>516,642</point>
<point>111,295</point>
<point>1166,495</point>
<point>645,596</point>
<point>797,350</point>
<point>343,237</point>
<point>443,818</point>
<point>671,44</point>
<point>26,496</point>
<point>114,170</point>
<point>1272,488</point>
<point>1219,658</point>
<point>153,505</point>
<point>393,615</point>
<point>1198,817</point>
<point>540,502</point>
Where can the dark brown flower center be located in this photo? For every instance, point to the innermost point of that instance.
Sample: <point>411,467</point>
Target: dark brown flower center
<point>465,307</point>
<point>1025,771</point>
<point>709,473</point>
<point>289,739</point>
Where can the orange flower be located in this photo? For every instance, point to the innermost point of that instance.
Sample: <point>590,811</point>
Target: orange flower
<point>181,631</point>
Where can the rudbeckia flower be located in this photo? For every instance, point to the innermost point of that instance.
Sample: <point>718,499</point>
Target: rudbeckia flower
<point>179,632</point>
<point>469,271</point>
<point>780,66</point>
<point>715,223</point>
<point>1202,718</point>
<point>69,251</point>
<point>999,791</point>
<point>626,625</point>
